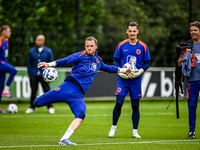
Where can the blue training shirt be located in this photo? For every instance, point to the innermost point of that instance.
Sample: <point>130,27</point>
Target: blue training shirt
<point>4,50</point>
<point>195,73</point>
<point>132,54</point>
<point>85,67</point>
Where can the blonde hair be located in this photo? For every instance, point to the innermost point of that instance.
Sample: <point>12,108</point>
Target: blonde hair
<point>91,38</point>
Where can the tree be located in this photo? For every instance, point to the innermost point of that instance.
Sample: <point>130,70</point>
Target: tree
<point>163,25</point>
<point>56,19</point>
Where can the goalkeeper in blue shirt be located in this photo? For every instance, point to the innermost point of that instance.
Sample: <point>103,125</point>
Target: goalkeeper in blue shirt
<point>136,53</point>
<point>85,66</point>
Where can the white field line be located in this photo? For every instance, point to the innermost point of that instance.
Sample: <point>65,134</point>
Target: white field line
<point>70,115</point>
<point>101,107</point>
<point>104,107</point>
<point>194,141</point>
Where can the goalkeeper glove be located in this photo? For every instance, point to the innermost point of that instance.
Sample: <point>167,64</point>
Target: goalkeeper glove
<point>123,75</point>
<point>134,75</point>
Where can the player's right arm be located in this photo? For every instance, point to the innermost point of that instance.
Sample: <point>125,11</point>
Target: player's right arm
<point>46,65</point>
<point>61,62</point>
<point>116,62</point>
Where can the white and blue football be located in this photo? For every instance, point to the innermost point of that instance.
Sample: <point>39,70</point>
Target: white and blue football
<point>126,65</point>
<point>12,108</point>
<point>50,74</point>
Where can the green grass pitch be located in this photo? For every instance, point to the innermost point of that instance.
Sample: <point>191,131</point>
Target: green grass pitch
<point>159,128</point>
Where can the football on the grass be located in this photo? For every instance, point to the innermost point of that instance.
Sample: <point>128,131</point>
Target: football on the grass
<point>12,108</point>
<point>50,74</point>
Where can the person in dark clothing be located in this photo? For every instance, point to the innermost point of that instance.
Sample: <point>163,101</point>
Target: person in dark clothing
<point>37,54</point>
<point>193,79</point>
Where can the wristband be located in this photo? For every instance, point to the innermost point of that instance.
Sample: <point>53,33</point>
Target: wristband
<point>122,70</point>
<point>52,64</point>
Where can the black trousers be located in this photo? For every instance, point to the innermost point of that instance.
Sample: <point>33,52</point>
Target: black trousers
<point>34,81</point>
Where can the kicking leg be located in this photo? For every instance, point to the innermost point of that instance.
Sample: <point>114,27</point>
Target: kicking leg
<point>54,96</point>
<point>46,88</point>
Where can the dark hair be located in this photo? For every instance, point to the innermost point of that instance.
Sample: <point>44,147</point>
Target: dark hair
<point>4,27</point>
<point>195,23</point>
<point>91,38</point>
<point>132,24</point>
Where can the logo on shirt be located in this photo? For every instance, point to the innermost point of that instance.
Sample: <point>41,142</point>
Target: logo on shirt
<point>131,60</point>
<point>93,66</point>
<point>138,51</point>
<point>197,55</point>
<point>57,89</point>
<point>97,60</point>
<point>125,50</point>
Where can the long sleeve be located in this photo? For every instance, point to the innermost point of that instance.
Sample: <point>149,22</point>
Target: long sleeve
<point>29,62</point>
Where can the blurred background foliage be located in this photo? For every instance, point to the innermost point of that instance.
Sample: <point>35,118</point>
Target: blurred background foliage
<point>163,25</point>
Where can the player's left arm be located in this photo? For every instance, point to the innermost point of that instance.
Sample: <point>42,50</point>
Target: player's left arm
<point>146,59</point>
<point>146,65</point>
<point>114,69</point>
<point>108,68</point>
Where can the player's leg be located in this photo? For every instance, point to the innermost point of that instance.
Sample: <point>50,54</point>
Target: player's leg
<point>116,114</point>
<point>78,108</point>
<point>117,109</point>
<point>73,127</point>
<point>193,90</point>
<point>60,94</point>
<point>2,80</point>
<point>135,117</point>
<point>34,87</point>
<point>46,88</point>
<point>8,68</point>
<point>135,94</point>
<point>121,92</point>
<point>53,96</point>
